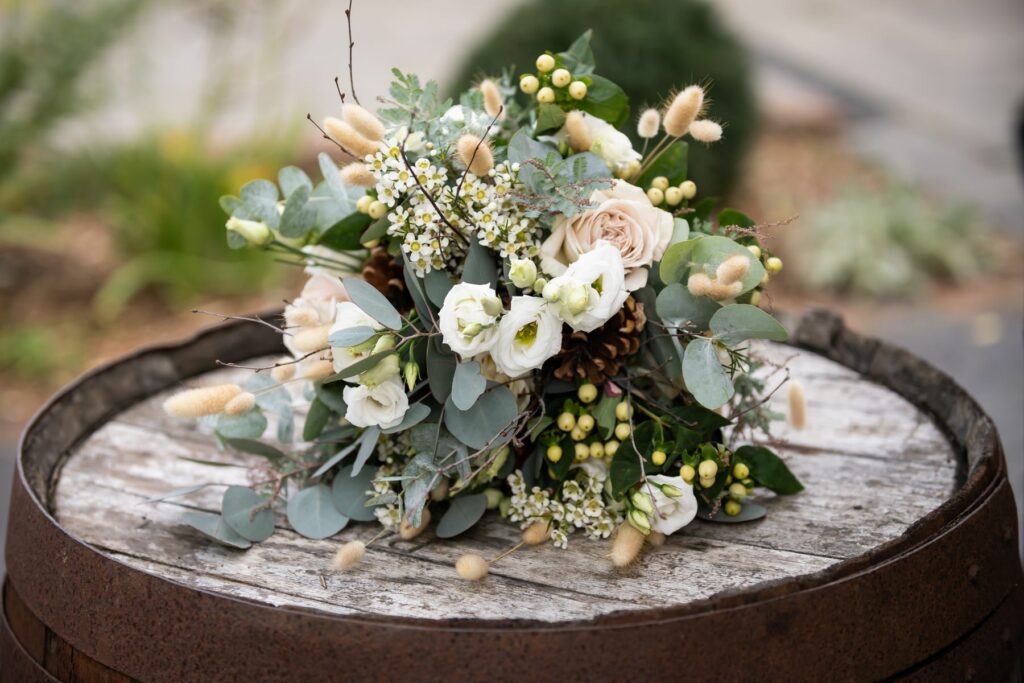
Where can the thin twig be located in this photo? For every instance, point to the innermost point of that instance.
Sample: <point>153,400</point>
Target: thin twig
<point>309,117</point>
<point>251,319</point>
<point>351,44</point>
<point>337,86</point>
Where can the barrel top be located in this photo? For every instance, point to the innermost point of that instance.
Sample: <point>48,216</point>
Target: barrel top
<point>872,464</point>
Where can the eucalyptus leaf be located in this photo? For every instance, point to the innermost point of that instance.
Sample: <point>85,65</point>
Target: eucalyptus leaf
<point>178,493</point>
<point>333,396</point>
<point>357,368</point>
<point>737,323</point>
<point>462,514</point>
<point>352,336</point>
<point>437,285</point>
<point>215,527</point>
<point>298,217</point>
<point>260,200</point>
<point>441,364</point>
<point>291,178</point>
<point>247,513</point>
<point>705,377</point>
<point>467,385</point>
<point>350,493</point>
<point>367,445</point>
<point>480,425</point>
<point>680,231</point>
<point>480,267</point>
<point>550,117</point>
<point>749,512</point>
<point>372,302</point>
<point>335,459</point>
<point>416,413</point>
<point>316,420</point>
<point>312,513</point>
<point>675,263</point>
<point>256,448</point>
<point>678,308</point>
<point>249,425</point>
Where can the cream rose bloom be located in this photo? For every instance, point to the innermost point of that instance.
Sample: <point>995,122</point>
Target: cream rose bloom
<point>383,405</point>
<point>528,335</point>
<point>671,513</point>
<point>625,218</point>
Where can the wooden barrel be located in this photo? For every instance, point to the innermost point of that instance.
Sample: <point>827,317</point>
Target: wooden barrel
<point>899,561</point>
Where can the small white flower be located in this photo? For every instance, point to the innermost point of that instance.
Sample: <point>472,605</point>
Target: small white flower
<point>671,513</point>
<point>469,317</point>
<point>591,290</point>
<point>349,315</point>
<point>528,335</point>
<point>383,405</point>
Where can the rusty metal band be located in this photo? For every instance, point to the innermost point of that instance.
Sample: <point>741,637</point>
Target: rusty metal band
<point>881,614</point>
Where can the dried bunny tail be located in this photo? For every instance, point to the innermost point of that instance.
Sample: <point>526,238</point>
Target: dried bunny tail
<point>732,269</point>
<point>648,123</point>
<point>493,101</point>
<point>720,291</point>
<point>203,401</point>
<point>317,370</point>
<point>656,538</point>
<point>683,110</point>
<point>699,284</point>
<point>472,567</point>
<point>358,175</point>
<point>706,130</point>
<point>301,317</point>
<point>310,339</point>
<point>365,123</point>
<point>349,554</point>
<point>797,405</point>
<point>407,531</point>
<point>627,546</point>
<point>283,373</point>
<point>577,132</point>
<point>351,140</point>
<point>240,404</point>
<point>536,533</point>
<point>475,154</point>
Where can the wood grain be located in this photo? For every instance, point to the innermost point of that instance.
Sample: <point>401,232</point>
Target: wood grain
<point>871,462</point>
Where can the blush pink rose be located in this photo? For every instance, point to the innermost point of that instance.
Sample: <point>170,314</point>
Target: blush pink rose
<point>623,217</point>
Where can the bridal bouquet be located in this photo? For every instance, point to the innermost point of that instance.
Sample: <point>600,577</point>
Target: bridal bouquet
<point>511,308</point>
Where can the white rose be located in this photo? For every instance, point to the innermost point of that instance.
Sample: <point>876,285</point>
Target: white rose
<point>528,335</point>
<point>468,320</point>
<point>349,315</point>
<point>592,289</point>
<point>624,217</point>
<point>671,512</point>
<point>609,143</point>
<point>383,405</point>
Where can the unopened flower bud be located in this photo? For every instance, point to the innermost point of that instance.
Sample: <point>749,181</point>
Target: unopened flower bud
<point>493,496</point>
<point>575,297</point>
<point>384,343</point>
<point>539,284</point>
<point>671,491</point>
<point>522,272</point>
<point>639,521</point>
<point>411,371</point>
<point>642,501</point>
<point>255,233</point>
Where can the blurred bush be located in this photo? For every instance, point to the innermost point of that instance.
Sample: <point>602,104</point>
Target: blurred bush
<point>648,47</point>
<point>888,243</point>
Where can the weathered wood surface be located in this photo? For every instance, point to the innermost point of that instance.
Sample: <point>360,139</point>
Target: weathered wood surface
<point>872,464</point>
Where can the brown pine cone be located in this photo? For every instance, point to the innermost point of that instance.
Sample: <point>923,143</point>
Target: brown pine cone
<point>598,355</point>
<point>385,274</point>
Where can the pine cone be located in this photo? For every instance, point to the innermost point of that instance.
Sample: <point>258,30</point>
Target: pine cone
<point>598,355</point>
<point>386,275</point>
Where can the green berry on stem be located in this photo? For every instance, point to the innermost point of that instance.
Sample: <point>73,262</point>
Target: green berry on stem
<point>582,452</point>
<point>610,447</point>
<point>623,411</point>
<point>545,63</point>
<point>587,392</point>
<point>689,189</point>
<point>529,84</point>
<point>561,78</point>
<point>687,473</point>
<point>658,458</point>
<point>554,453</point>
<point>707,469</point>
<point>586,423</point>
<point>732,508</point>
<point>566,421</point>
<point>622,430</point>
<point>577,90</point>
<point>740,471</point>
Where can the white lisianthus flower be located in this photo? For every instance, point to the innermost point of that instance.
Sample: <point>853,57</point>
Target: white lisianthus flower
<point>349,315</point>
<point>607,142</point>
<point>671,512</point>
<point>528,335</point>
<point>592,289</point>
<point>383,405</point>
<point>468,319</point>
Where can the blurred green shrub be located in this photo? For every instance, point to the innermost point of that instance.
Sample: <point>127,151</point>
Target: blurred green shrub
<point>648,47</point>
<point>888,244</point>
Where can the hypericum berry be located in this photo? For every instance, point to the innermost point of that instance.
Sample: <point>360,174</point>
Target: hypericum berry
<point>377,210</point>
<point>529,84</point>
<point>561,78</point>
<point>546,95</point>
<point>755,298</point>
<point>577,90</point>
<point>661,182</point>
<point>707,482</point>
<point>623,411</point>
<point>597,450</point>
<point>577,434</point>
<point>687,473</point>
<point>755,250</point>
<point>582,452</point>
<point>737,490</point>
<point>610,447</point>
<point>673,196</point>
<point>545,63</point>
<point>740,471</point>
<point>707,469</point>
<point>689,189</point>
<point>586,423</point>
<point>363,203</point>
<point>655,195</point>
<point>658,458</point>
<point>587,392</point>
<point>622,430</point>
<point>732,508</point>
<point>554,453</point>
<point>566,421</point>
<point>773,265</point>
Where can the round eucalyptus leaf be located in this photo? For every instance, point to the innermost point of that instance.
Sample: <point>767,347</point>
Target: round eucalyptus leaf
<point>372,302</point>
<point>750,512</point>
<point>677,307</point>
<point>467,385</point>
<point>705,377</point>
<point>245,511</point>
<point>712,250</point>
<point>462,514</point>
<point>478,426</point>
<point>350,494</point>
<point>214,527</point>
<point>737,323</point>
<point>312,513</point>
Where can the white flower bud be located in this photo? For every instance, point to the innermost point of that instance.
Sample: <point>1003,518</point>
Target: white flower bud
<point>254,232</point>
<point>522,272</point>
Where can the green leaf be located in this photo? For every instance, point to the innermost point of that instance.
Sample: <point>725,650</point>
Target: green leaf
<point>677,307</point>
<point>467,385</point>
<point>711,250</point>
<point>215,527</point>
<point>333,397</point>
<point>480,268</point>
<point>367,445</point>
<point>332,177</point>
<point>750,512</point>
<point>440,369</point>
<point>415,286</point>
<point>372,302</point>
<point>345,235</point>
<point>350,493</point>
<point>316,420</point>
<point>352,336</point>
<point>336,458</point>
<point>357,368</point>
<point>523,147</point>
<point>417,412</point>
<point>768,470</point>
<point>256,448</point>
<point>291,178</point>
<point>732,217</point>
<point>676,262</point>
<point>671,164</point>
<point>437,285</point>
<point>579,58</point>
<point>247,513</point>
<point>606,100</point>
<point>550,117</point>
<point>604,415</point>
<point>702,209</point>
<point>260,200</point>
<point>377,229</point>
<point>625,468</point>
<point>249,425</point>
<point>478,426</point>
<point>705,377</point>
<point>178,493</point>
<point>666,350</point>
<point>680,231</point>
<point>229,204</point>
<point>298,217</point>
<point>737,323</point>
<point>462,514</point>
<point>312,513</point>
